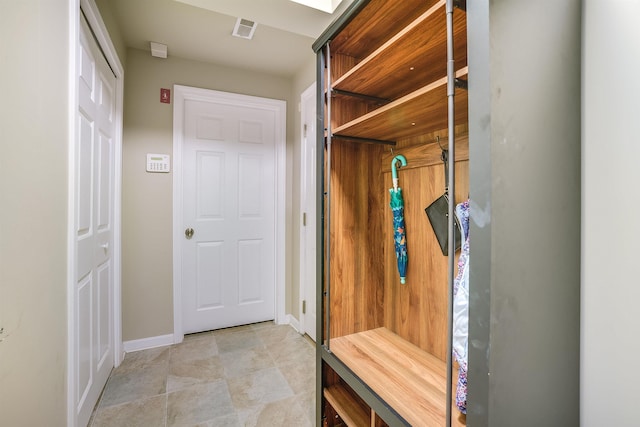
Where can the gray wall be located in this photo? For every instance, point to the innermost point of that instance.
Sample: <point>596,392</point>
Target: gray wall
<point>610,155</point>
<point>34,138</point>
<point>525,189</point>
<point>147,270</point>
<point>147,285</point>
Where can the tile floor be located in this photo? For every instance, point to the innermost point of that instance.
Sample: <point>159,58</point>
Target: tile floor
<point>254,375</point>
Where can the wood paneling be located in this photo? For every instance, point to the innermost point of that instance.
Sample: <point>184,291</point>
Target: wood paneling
<point>417,311</point>
<point>425,155</point>
<point>356,238</point>
<point>365,288</point>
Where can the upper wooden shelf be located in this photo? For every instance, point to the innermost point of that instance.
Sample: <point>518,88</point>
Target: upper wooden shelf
<point>417,52</point>
<point>407,378</point>
<point>371,26</point>
<point>422,111</point>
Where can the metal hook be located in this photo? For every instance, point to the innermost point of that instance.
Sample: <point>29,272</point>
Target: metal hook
<point>444,152</point>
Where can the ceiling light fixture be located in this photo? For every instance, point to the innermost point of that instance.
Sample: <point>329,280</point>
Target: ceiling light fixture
<point>328,6</point>
<point>244,28</point>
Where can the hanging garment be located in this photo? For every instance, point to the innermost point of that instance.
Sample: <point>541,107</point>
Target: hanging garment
<point>461,308</point>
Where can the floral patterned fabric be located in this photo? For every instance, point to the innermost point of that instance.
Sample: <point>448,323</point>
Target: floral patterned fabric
<point>461,308</point>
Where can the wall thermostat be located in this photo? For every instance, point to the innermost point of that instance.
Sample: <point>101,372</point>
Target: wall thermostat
<point>158,163</point>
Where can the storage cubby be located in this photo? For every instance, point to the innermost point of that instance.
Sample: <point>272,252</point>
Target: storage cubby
<point>383,79</point>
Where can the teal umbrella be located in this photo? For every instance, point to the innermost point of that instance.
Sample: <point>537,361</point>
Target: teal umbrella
<point>397,207</point>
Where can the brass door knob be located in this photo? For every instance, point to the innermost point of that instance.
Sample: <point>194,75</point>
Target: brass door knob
<point>188,233</point>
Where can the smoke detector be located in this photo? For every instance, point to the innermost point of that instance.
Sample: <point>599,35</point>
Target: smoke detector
<point>244,28</point>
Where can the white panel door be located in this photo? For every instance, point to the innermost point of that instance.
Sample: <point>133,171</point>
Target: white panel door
<point>229,199</point>
<point>94,214</point>
<point>308,172</point>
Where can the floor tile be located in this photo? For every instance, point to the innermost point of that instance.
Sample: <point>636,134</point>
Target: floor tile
<point>301,377</point>
<point>231,420</point>
<point>154,357</point>
<point>144,412</point>
<point>133,385</point>
<point>286,412</point>
<point>239,363</point>
<point>235,341</point>
<point>295,351</point>
<point>194,371</point>
<point>277,334</point>
<point>254,375</point>
<point>194,349</point>
<point>199,404</point>
<point>259,388</point>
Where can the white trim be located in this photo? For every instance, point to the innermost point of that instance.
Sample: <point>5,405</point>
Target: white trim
<point>92,14</point>
<point>309,92</point>
<point>293,322</point>
<point>74,35</point>
<point>182,94</point>
<point>147,343</point>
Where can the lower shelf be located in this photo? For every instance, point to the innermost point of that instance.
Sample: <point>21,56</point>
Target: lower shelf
<point>351,411</point>
<point>410,380</point>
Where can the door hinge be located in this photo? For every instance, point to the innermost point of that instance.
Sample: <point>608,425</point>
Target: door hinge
<point>305,130</point>
<point>304,219</point>
<point>304,307</point>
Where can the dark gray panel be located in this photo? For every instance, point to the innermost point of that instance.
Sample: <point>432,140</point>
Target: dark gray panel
<point>533,237</point>
<point>480,227</point>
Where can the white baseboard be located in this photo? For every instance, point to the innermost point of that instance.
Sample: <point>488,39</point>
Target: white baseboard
<point>164,340</point>
<point>295,324</point>
<point>146,343</point>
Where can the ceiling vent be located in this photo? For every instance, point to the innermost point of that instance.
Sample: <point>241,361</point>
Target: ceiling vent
<point>158,50</point>
<point>244,28</point>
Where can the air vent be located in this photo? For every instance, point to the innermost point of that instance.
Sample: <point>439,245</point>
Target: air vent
<point>244,28</point>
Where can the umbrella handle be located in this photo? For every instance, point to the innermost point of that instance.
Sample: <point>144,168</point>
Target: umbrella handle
<point>394,172</point>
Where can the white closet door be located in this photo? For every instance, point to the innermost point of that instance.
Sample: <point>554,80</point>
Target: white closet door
<point>93,311</point>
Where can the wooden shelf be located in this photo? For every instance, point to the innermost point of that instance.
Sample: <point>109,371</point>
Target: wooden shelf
<point>349,409</point>
<point>416,53</point>
<point>372,26</point>
<point>408,379</point>
<point>422,111</point>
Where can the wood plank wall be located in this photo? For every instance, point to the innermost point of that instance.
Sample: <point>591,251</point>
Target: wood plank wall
<point>417,310</point>
<point>365,286</point>
<point>356,239</point>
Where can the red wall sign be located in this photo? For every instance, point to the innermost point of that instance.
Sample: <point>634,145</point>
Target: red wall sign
<point>165,96</point>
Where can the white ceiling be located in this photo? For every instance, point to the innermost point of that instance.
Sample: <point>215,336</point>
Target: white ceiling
<point>201,30</point>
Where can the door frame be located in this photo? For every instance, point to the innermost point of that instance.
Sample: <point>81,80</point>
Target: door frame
<point>94,19</point>
<point>181,94</point>
<point>304,241</point>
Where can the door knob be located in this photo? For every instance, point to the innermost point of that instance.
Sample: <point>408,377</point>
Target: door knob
<point>188,233</point>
